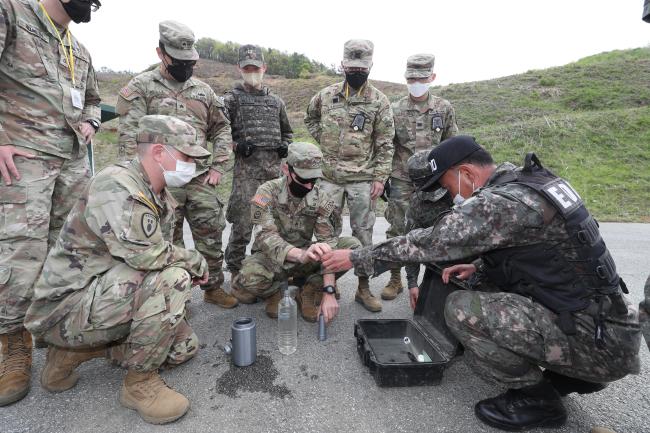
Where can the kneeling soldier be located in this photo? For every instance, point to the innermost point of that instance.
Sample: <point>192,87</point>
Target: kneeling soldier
<point>287,213</point>
<point>115,285</point>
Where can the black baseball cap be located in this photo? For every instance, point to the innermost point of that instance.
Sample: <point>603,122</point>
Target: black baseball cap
<point>447,154</point>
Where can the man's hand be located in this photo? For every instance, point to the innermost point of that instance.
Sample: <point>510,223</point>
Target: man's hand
<point>337,261</point>
<point>462,272</point>
<point>213,177</point>
<point>316,251</point>
<point>414,292</point>
<point>203,280</point>
<point>376,190</point>
<point>87,131</point>
<point>7,166</point>
<point>329,307</point>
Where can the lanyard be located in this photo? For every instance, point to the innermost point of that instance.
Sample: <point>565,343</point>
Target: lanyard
<point>69,58</point>
<point>347,90</point>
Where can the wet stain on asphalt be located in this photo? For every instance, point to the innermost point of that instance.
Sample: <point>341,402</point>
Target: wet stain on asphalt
<point>258,377</point>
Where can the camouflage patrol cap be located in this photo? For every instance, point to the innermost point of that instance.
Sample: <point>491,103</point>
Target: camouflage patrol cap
<point>178,40</point>
<point>305,158</point>
<point>357,53</point>
<point>156,128</point>
<point>418,167</point>
<point>419,66</point>
<point>251,55</point>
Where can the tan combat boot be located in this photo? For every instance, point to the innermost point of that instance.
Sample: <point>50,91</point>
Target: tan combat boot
<point>15,366</point>
<point>155,402</point>
<point>220,297</point>
<point>58,373</point>
<point>272,304</point>
<point>365,297</point>
<point>243,296</point>
<point>308,300</point>
<point>602,430</point>
<point>394,286</point>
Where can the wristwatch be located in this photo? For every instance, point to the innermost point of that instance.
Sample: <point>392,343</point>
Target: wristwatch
<point>329,289</point>
<point>94,124</point>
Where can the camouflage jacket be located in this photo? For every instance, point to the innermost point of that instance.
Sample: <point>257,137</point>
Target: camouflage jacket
<point>282,222</point>
<point>423,211</point>
<point>496,216</point>
<point>36,109</point>
<point>418,126</point>
<point>355,133</point>
<point>193,102</point>
<point>119,219</point>
<point>262,164</point>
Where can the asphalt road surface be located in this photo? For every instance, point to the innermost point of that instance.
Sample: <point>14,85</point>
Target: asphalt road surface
<point>323,387</point>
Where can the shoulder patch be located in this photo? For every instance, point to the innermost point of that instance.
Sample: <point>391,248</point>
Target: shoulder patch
<point>262,200</point>
<point>149,224</point>
<point>129,92</point>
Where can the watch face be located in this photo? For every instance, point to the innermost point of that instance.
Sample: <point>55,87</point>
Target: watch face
<point>329,289</point>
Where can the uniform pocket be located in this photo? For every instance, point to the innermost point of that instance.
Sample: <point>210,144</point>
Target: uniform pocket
<point>28,61</point>
<point>13,212</point>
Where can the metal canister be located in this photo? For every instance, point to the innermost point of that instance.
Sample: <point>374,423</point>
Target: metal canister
<point>243,342</point>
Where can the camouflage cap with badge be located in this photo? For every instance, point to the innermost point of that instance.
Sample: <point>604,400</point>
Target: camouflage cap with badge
<point>156,128</point>
<point>251,55</point>
<point>357,53</point>
<point>305,159</point>
<point>419,66</point>
<point>178,40</point>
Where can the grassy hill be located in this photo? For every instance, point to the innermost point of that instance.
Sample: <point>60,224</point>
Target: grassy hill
<point>589,121</point>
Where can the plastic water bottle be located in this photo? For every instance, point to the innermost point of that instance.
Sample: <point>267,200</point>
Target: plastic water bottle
<point>287,323</point>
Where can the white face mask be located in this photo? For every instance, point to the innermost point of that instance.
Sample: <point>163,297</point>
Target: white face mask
<point>459,199</point>
<point>183,174</point>
<point>253,79</point>
<point>418,89</point>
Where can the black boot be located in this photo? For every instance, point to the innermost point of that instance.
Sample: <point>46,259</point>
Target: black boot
<point>522,409</point>
<point>566,385</point>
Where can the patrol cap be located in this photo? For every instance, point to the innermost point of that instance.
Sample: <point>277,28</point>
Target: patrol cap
<point>418,167</point>
<point>357,53</point>
<point>305,159</point>
<point>447,154</point>
<point>156,128</point>
<point>178,40</point>
<point>419,66</point>
<point>251,55</point>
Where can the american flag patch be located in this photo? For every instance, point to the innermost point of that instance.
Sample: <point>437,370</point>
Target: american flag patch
<point>261,200</point>
<point>126,92</point>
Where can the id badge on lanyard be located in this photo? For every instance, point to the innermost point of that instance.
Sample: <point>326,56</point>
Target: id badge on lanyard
<point>77,101</point>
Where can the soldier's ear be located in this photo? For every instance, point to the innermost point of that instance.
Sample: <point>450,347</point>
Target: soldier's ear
<point>157,152</point>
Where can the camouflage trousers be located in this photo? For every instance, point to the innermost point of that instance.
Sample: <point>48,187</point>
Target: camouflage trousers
<point>140,315</point>
<point>644,313</point>
<point>199,204</point>
<point>239,215</point>
<point>507,337</point>
<point>32,212</point>
<point>360,205</point>
<point>398,203</point>
<point>262,277</point>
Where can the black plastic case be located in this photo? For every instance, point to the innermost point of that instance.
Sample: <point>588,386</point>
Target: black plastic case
<point>382,347</point>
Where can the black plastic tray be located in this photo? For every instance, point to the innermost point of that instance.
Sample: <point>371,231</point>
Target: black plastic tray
<point>392,361</point>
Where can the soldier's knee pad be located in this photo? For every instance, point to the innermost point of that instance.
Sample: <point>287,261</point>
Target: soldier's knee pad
<point>348,243</point>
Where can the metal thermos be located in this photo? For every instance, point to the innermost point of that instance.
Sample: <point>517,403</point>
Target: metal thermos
<point>243,342</point>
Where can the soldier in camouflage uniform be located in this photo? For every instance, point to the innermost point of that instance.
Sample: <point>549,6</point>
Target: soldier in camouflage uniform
<point>424,208</point>
<point>171,90</point>
<point>353,123</point>
<point>288,213</point>
<point>422,120</point>
<point>261,132</point>
<point>49,111</point>
<point>548,294</point>
<point>114,285</point>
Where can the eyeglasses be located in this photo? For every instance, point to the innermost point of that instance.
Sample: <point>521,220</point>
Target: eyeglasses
<point>300,179</point>
<point>94,4</point>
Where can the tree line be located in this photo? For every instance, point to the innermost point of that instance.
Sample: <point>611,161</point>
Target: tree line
<point>277,62</point>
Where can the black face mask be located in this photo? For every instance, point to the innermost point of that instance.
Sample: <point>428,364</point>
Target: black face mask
<point>181,70</point>
<point>79,10</point>
<point>356,79</point>
<point>296,189</point>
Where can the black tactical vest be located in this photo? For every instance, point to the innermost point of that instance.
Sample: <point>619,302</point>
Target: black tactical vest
<point>577,275</point>
<point>256,118</point>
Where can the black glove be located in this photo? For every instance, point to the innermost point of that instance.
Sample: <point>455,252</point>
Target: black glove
<point>245,149</point>
<point>386,194</point>
<point>283,150</point>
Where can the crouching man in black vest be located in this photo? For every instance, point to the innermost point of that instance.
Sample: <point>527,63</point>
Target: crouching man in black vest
<point>547,315</point>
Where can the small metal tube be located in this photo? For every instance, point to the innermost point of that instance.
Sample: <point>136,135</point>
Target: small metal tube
<point>322,330</point>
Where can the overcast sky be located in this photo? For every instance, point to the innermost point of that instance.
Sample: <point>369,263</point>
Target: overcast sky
<point>471,39</point>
